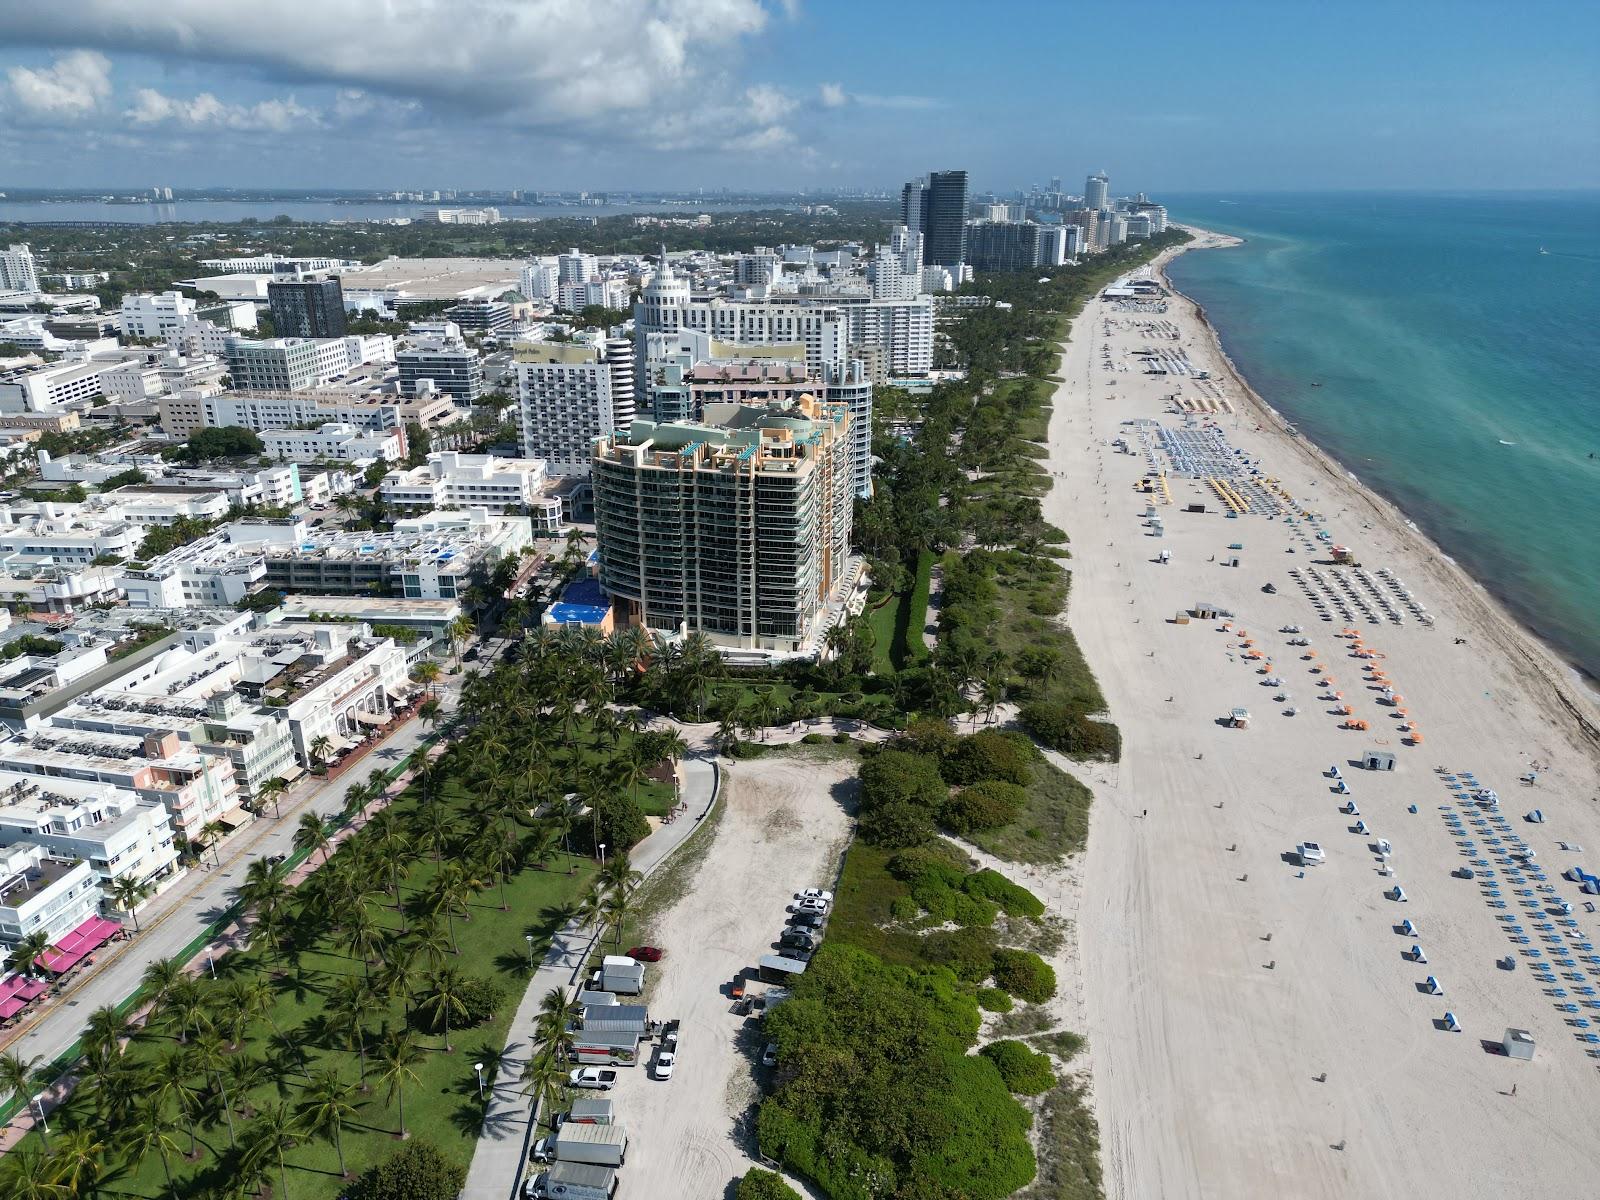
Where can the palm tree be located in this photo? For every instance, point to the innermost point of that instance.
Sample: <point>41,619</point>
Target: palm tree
<point>176,1077</point>
<point>273,789</point>
<point>159,978</point>
<point>234,1010</point>
<point>103,1032</point>
<point>311,835</point>
<point>268,1137</point>
<point>428,942</point>
<point>552,1027</point>
<point>437,825</point>
<point>427,673</point>
<point>29,1173</point>
<point>127,893</point>
<point>187,1008</point>
<point>210,1057</point>
<point>363,937</point>
<point>25,955</point>
<point>325,1105</point>
<point>397,1062</point>
<point>18,1075</point>
<point>320,747</point>
<point>544,1077</point>
<point>350,1005</point>
<point>76,1162</point>
<point>444,998</point>
<point>149,1131</point>
<point>618,874</point>
<point>212,832</point>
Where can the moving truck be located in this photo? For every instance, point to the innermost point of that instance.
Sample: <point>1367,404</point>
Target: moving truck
<point>575,1181</point>
<point>601,1145</point>
<point>619,973</point>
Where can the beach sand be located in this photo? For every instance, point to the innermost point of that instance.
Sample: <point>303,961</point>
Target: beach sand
<point>1205,1059</point>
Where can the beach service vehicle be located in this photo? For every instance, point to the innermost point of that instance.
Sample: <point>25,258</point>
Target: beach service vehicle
<point>665,1061</point>
<point>599,1078</point>
<point>602,1145</point>
<point>1310,854</point>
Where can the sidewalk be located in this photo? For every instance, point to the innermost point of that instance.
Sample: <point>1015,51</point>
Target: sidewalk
<point>502,1150</point>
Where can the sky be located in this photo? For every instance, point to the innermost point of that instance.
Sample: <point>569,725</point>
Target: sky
<point>1232,95</point>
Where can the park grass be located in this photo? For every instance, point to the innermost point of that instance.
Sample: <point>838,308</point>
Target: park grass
<point>897,623</point>
<point>442,1106</point>
<point>1031,595</point>
<point>1069,1148</point>
<point>1053,824</point>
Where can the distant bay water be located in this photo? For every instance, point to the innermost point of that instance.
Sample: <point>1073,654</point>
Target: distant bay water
<point>1459,368</point>
<point>196,211</point>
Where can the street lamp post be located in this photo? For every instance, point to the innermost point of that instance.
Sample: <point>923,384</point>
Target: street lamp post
<point>212,964</point>
<point>43,1123</point>
<point>528,937</point>
<point>602,856</point>
<point>478,1067</point>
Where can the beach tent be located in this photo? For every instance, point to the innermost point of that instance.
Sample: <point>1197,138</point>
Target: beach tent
<point>1407,926</point>
<point>1536,817</point>
<point>1450,1022</point>
<point>1435,988</point>
<point>1398,895</point>
<point>1518,1043</point>
<point>1417,955</point>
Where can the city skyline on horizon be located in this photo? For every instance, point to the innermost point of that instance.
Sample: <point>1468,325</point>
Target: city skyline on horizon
<point>1449,97</point>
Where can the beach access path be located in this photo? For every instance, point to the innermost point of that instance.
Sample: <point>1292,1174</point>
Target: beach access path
<point>1257,1029</point>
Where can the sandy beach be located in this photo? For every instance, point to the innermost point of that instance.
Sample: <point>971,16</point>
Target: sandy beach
<point>1258,1028</point>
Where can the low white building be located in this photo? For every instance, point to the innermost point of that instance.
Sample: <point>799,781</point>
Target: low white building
<point>451,479</point>
<point>45,389</point>
<point>43,893</point>
<point>120,835</point>
<point>335,440</point>
<point>144,315</point>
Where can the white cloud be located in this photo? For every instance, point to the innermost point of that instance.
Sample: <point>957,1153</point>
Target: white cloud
<point>539,62</point>
<point>833,95</point>
<point>71,88</point>
<point>205,111</point>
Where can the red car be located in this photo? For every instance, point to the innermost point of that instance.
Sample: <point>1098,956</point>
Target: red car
<point>646,953</point>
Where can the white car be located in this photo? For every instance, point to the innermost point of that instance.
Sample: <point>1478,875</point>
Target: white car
<point>1310,854</point>
<point>811,904</point>
<point>665,1061</point>
<point>815,894</point>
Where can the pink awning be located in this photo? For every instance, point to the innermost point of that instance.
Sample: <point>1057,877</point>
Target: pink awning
<point>76,945</point>
<point>10,1008</point>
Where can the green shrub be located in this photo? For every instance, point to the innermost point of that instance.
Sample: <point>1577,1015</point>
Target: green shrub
<point>841,738</point>
<point>904,908</point>
<point>967,952</point>
<point>764,1185</point>
<point>986,805</point>
<point>747,749</point>
<point>618,823</point>
<point>1071,732</point>
<point>928,735</point>
<point>416,1171</point>
<point>1024,974</point>
<point>988,755</point>
<point>1016,900</point>
<point>993,999</point>
<point>896,777</point>
<point>1024,1071</point>
<point>896,825</point>
<point>937,859</point>
<point>812,739</point>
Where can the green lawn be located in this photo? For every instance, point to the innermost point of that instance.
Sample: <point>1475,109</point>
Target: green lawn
<point>897,623</point>
<point>442,1106</point>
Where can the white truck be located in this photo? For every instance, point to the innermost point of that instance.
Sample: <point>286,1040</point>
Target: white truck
<point>619,973</point>
<point>573,1181</point>
<point>600,1145</point>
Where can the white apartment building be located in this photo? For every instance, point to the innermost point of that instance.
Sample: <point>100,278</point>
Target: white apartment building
<point>152,504</point>
<point>333,439</point>
<point>118,834</point>
<point>65,534</point>
<point>540,281</point>
<point>332,680</point>
<point>455,368</point>
<point>198,337</point>
<point>144,315</point>
<point>206,573</point>
<point>43,893</point>
<point>565,400</point>
<point>454,480</point>
<point>576,267</point>
<point>181,415</point>
<point>44,389</point>
<point>195,787</point>
<point>293,364</point>
<point>18,271</point>
<point>276,264</point>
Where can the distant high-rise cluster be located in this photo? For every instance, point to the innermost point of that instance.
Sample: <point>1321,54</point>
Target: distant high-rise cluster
<point>1046,227</point>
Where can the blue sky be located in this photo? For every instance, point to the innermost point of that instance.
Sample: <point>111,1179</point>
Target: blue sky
<point>789,93</point>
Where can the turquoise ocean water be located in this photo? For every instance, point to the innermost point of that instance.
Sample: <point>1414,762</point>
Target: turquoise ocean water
<point>1439,334</point>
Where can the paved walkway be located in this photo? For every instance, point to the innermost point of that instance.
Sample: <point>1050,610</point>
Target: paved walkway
<point>175,918</point>
<point>503,1144</point>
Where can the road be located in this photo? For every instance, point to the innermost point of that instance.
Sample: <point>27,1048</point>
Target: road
<point>170,921</point>
<point>501,1152</point>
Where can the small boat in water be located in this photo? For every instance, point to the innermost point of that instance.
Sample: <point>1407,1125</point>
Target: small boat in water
<point>1542,250</point>
<point>1314,383</point>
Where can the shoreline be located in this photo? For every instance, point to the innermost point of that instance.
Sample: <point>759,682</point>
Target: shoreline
<point>1257,1029</point>
<point>1516,637</point>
